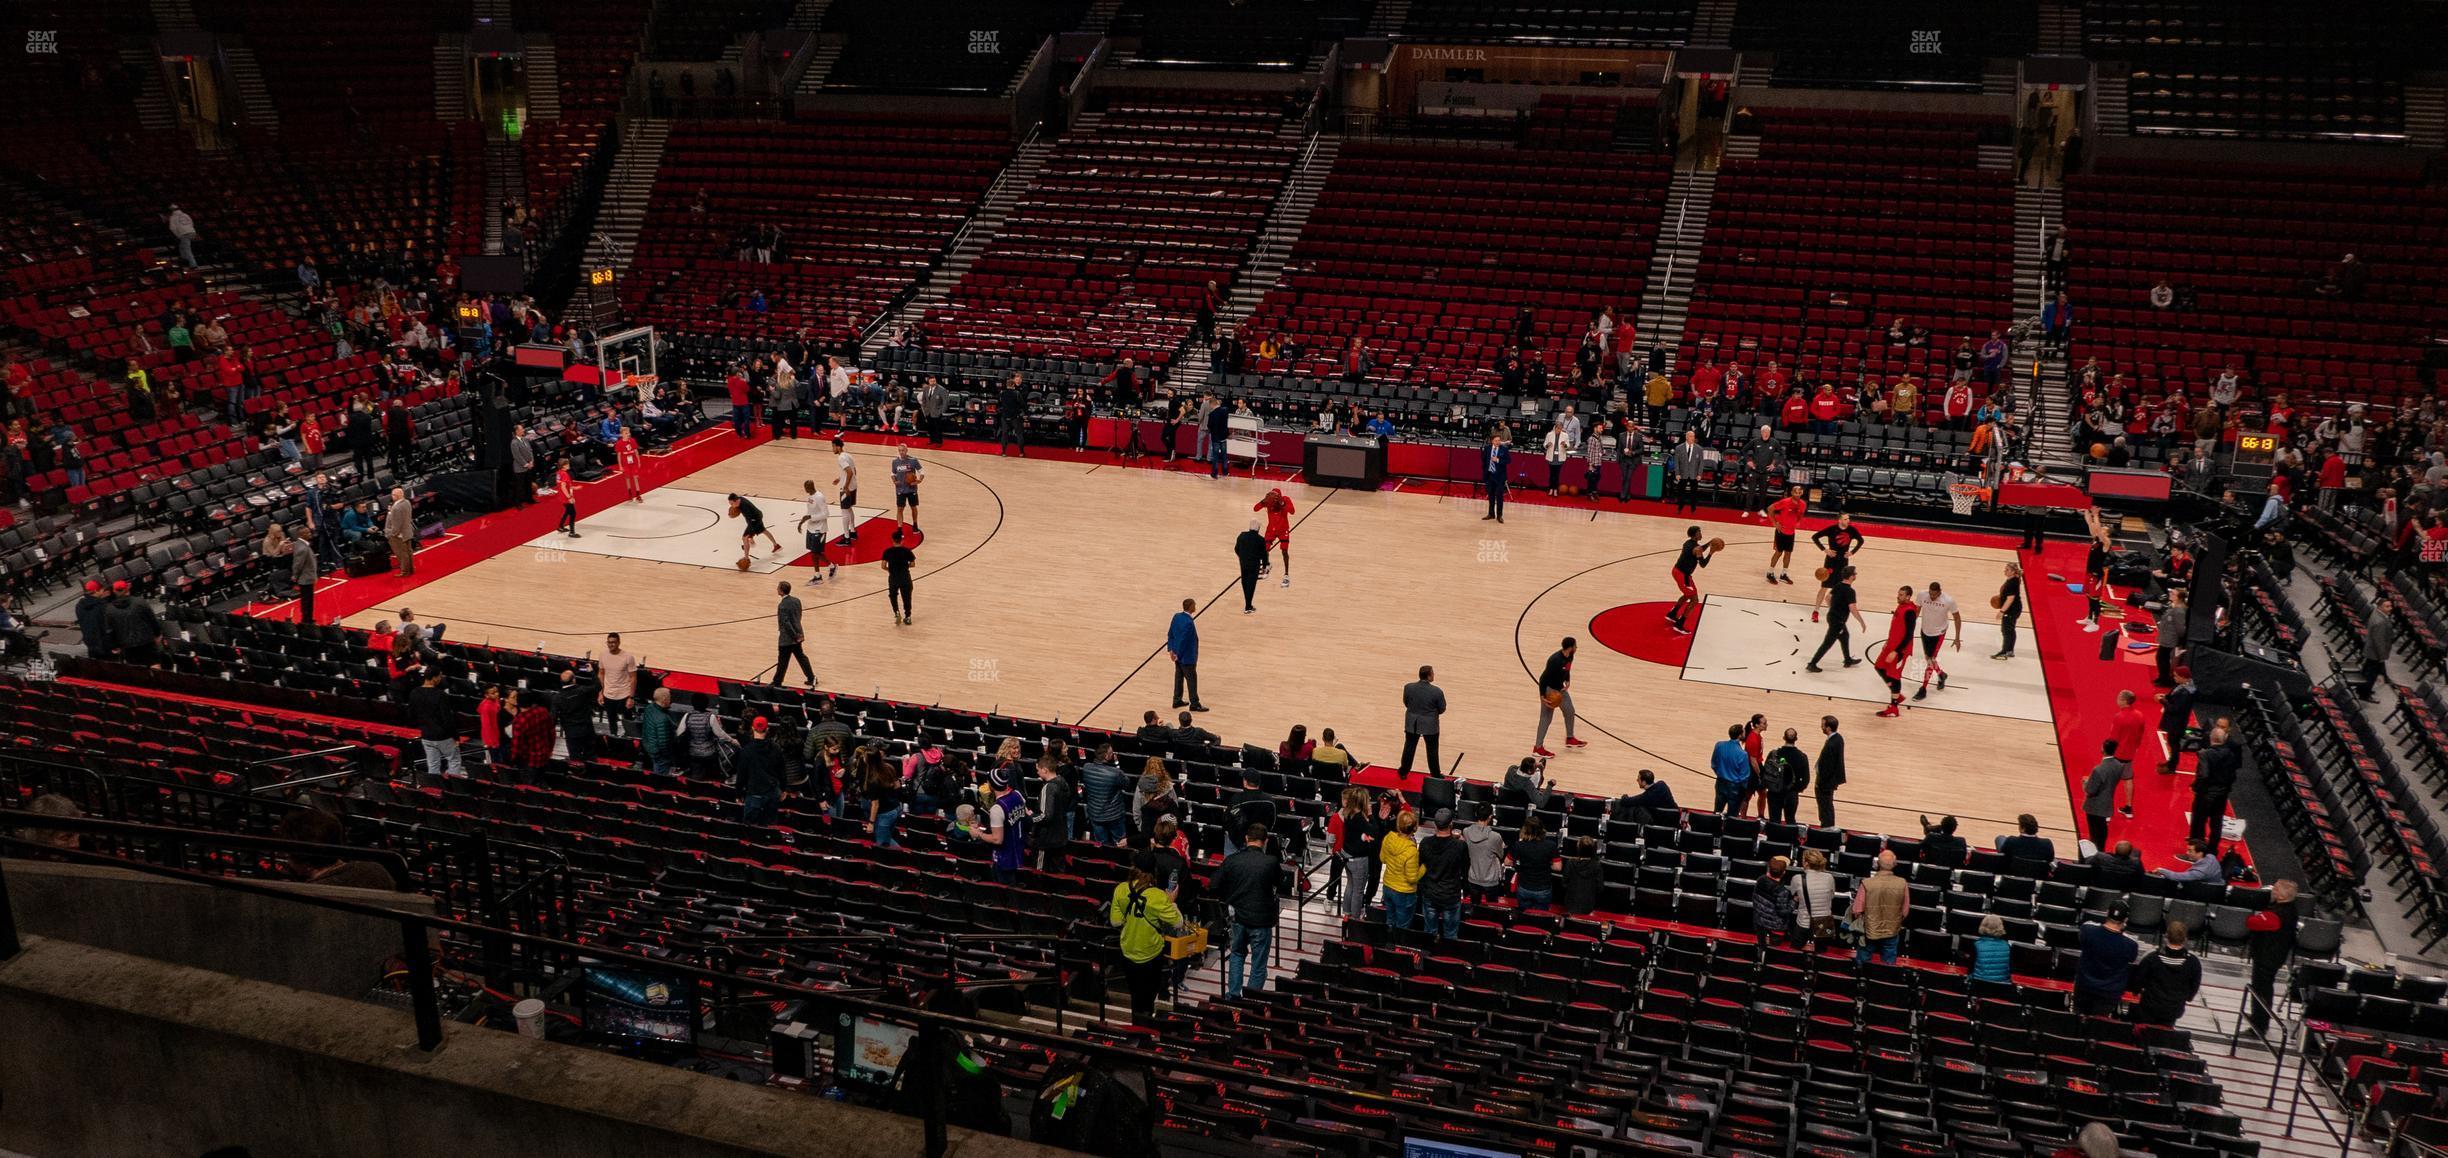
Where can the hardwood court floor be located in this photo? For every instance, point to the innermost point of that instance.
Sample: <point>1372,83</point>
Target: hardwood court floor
<point>1044,587</point>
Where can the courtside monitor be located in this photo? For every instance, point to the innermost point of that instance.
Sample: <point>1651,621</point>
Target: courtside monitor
<point>869,1050</point>
<point>638,1007</point>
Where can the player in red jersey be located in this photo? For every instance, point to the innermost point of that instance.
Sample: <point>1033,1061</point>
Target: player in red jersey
<point>1693,556</point>
<point>1890,662</point>
<point>1278,527</point>
<point>1785,515</point>
<point>625,451</point>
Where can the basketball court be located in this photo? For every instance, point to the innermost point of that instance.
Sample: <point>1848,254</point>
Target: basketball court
<point>1044,586</point>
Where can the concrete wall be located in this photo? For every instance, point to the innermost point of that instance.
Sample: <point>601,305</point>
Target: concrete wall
<point>106,1055</point>
<point>261,938</point>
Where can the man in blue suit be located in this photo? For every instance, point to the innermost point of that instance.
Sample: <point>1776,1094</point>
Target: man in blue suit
<point>1497,470</point>
<point>1181,642</point>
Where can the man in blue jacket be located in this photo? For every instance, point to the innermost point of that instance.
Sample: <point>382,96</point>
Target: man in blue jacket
<point>1181,642</point>
<point>1732,764</point>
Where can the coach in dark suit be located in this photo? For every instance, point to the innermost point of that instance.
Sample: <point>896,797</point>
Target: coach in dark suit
<point>1830,774</point>
<point>1496,470</point>
<point>1423,702</point>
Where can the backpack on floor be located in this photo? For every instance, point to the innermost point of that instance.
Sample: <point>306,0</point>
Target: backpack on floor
<point>1096,1112</point>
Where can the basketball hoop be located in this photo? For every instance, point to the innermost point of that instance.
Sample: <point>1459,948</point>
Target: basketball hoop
<point>1964,497</point>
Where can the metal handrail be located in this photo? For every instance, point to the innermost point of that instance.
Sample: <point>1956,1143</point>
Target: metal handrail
<point>936,1030</point>
<point>391,862</point>
<point>959,238</point>
<point>331,751</point>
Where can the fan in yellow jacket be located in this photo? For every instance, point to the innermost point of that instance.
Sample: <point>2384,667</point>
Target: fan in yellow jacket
<point>1399,853</point>
<point>1145,914</point>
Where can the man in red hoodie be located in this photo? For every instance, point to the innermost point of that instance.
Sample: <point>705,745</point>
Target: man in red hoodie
<point>743,412</point>
<point>2332,480</point>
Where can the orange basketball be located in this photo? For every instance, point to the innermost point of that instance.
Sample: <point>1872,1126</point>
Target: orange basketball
<point>1716,544</point>
<point>2099,450</point>
<point>1820,574</point>
<point>743,563</point>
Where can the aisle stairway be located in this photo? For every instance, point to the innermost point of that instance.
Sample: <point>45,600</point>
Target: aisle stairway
<point>2426,116</point>
<point>975,235</point>
<point>2108,101</point>
<point>450,67</point>
<point>627,191</point>
<point>153,109</point>
<point>247,84</point>
<point>1666,298</point>
<point>543,66</point>
<point>1264,267</point>
<point>2037,211</point>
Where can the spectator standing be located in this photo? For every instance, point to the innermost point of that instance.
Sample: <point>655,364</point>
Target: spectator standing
<point>1534,857</point>
<point>1153,798</point>
<point>135,631</point>
<point>758,767</point>
<point>531,731</point>
<point>437,726</point>
<point>1444,868</point>
<point>658,729</point>
<point>1007,824</point>
<point>880,786</point>
<point>1247,884</point>
<point>1106,789</point>
<point>493,726</point>
<point>90,629</point>
<point>1401,875</point>
<point>703,740</point>
<point>574,710</point>
<point>1772,902</point>
<point>2166,981</point>
<point>1814,890</point>
<point>2270,939</point>
<point>1880,905</point>
<point>183,230</point>
<point>2101,975</point>
<point>1357,836</point>
<point>2379,639</point>
<point>1056,802</point>
<point>619,670</point>
<point>1146,915</point>
<point>1486,847</point>
<point>1423,705</point>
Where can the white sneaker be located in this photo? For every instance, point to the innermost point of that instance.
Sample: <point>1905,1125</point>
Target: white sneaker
<point>1287,581</point>
<point>2089,626</point>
